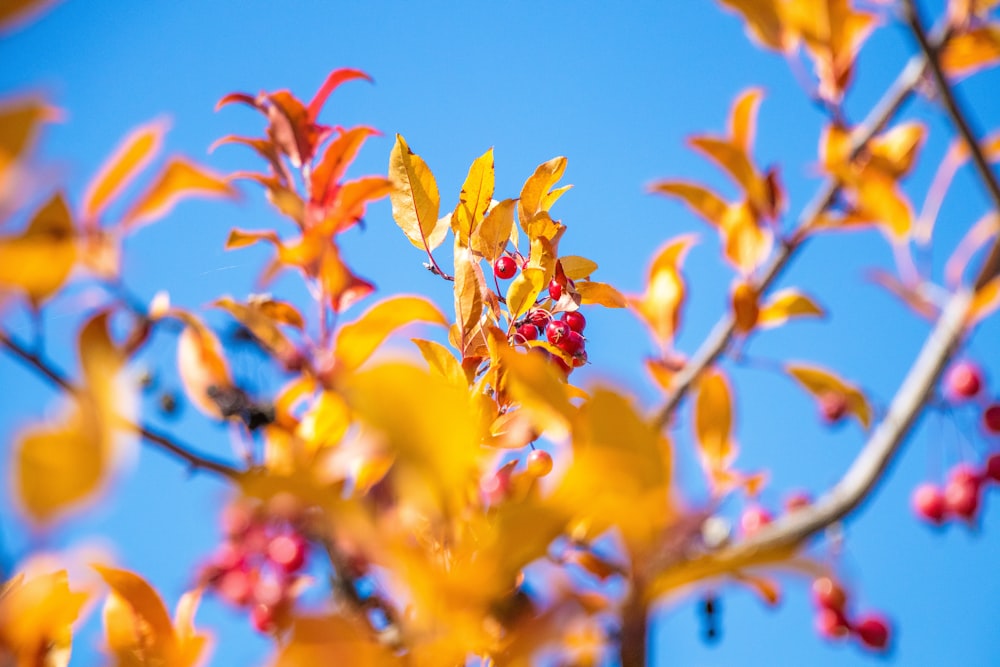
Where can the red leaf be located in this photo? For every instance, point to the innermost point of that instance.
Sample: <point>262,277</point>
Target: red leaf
<point>332,82</point>
<point>232,98</point>
<point>337,157</point>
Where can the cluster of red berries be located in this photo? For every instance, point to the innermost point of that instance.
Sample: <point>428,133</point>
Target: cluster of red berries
<point>964,382</point>
<point>258,565</point>
<point>960,497</point>
<point>832,621</point>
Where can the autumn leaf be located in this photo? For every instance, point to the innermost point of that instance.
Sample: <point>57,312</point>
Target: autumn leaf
<point>490,238</point>
<point>258,316</point>
<point>971,51</point>
<point>38,261</point>
<point>336,158</point>
<point>822,383</point>
<point>985,302</point>
<point>415,199</point>
<point>178,180</point>
<point>577,268</point>
<point>524,291</point>
<point>766,22</point>
<point>202,366</point>
<point>600,293</point>
<point>474,200</point>
<point>332,82</point>
<point>713,424</point>
<point>441,361</point>
<point>537,188</point>
<point>468,294</point>
<point>660,306</point>
<point>746,306</point>
<point>357,340</point>
<point>37,614</point>
<point>20,121</point>
<point>787,304</point>
<point>701,200</point>
<point>132,155</point>
<point>16,13</point>
<point>329,640</point>
<point>531,381</point>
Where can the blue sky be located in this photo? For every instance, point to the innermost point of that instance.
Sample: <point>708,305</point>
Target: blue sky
<point>615,87</point>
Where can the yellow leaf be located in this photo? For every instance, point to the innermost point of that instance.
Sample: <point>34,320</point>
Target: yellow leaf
<point>713,422</point>
<point>20,119</point>
<point>532,382</point>
<point>37,613</point>
<point>468,294</point>
<point>358,340</point>
<point>490,238</point>
<point>135,617</point>
<point>475,198</point>
<point>884,203</point>
<point>415,199</point>
<point>971,51</point>
<point>190,645</point>
<point>743,119</point>
<point>701,200</point>
<point>747,243</point>
<point>577,268</point>
<point>785,305</point>
<point>331,640</point>
<point>263,328</point>
<point>536,189</point>
<point>57,467</point>
<point>239,238</point>
<point>39,260</point>
<point>325,423</point>
<point>131,157</point>
<point>765,22</point>
<point>179,179</point>
<point>524,290</point>
<point>202,366</point>
<point>660,306</point>
<point>441,361</point>
<point>894,152</point>
<point>600,293</point>
<point>734,161</point>
<point>820,382</point>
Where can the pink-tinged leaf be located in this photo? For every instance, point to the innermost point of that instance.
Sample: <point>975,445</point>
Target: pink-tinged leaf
<point>336,158</point>
<point>131,157</point>
<point>713,423</point>
<point>262,147</point>
<point>912,295</point>
<point>289,127</point>
<point>178,180</point>
<point>333,81</point>
<point>785,305</point>
<point>241,98</point>
<point>821,383</point>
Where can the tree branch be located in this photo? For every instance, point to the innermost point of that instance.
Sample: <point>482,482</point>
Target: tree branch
<point>159,440</point>
<point>721,336</point>
<point>963,124</point>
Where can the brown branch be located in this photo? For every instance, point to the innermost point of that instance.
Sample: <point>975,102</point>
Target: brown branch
<point>159,440</point>
<point>963,124</point>
<point>721,336</point>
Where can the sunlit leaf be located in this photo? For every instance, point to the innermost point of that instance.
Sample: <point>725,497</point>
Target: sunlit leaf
<point>701,200</point>
<point>325,423</point>
<point>260,324</point>
<point>713,422</point>
<point>134,616</point>
<point>787,304</point>
<point>441,361</point>
<point>289,127</point>
<point>765,22</point>
<point>820,382</point>
<point>38,261</point>
<point>37,614</point>
<point>970,51</point>
<point>20,121</point>
<point>524,290</point>
<point>985,303</point>
<point>746,306</point>
<point>340,285</point>
<point>336,158</point>
<point>331,640</point>
<point>660,305</point>
<point>415,199</point>
<point>491,236</point>
<point>468,293</point>
<point>348,207</point>
<point>332,82</point>
<point>537,187</point>
<point>577,268</point>
<point>532,382</point>
<point>178,180</point>
<point>475,198</point>
<point>239,238</point>
<point>600,293</point>
<point>131,157</point>
<point>358,340</point>
<point>202,366</point>
<point>747,243</point>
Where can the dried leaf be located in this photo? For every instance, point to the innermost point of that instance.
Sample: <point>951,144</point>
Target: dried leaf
<point>415,199</point>
<point>131,157</point>
<point>820,383</point>
<point>358,340</point>
<point>38,261</point>
<point>178,180</point>
<point>787,304</point>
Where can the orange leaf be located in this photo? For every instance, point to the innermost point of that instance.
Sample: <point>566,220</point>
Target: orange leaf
<point>358,340</point>
<point>820,383</point>
<point>38,261</point>
<point>37,612</point>
<point>342,287</point>
<point>19,123</point>
<point>415,199</point>
<point>765,21</point>
<point>490,238</point>
<point>179,179</point>
<point>135,617</point>
<point>660,306</point>
<point>746,307</point>
<point>336,158</point>
<point>524,291</point>
<point>202,365</point>
<point>441,361</point>
<point>348,207</point>
<point>131,157</point>
<point>16,13</point>
<point>713,423</point>
<point>968,52</point>
<point>785,305</point>
<point>600,293</point>
<point>332,82</point>
<point>701,200</point>
<point>261,325</point>
<point>239,238</point>
<point>986,302</point>
<point>537,187</point>
<point>747,243</point>
<point>577,268</point>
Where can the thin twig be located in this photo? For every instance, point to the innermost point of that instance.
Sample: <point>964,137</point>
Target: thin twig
<point>962,123</point>
<point>721,335</point>
<point>159,440</point>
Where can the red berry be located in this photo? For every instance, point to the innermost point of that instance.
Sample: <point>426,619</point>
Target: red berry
<point>963,473</point>
<point>580,359</point>
<point>555,290</point>
<point>270,590</point>
<point>528,331</point>
<point>572,343</point>
<point>235,586</point>
<point>873,631</point>
<point>236,519</point>
<point>575,320</point>
<point>929,503</point>
<point>832,407</point>
<point>797,500</point>
<point>961,498</point>
<point>288,552</point>
<point>991,418</point>
<point>539,463</point>
<point>828,594</point>
<point>229,556</point>
<point>964,380</point>
<point>539,317</point>
<point>505,267</point>
<point>753,519</point>
<point>556,331</point>
<point>563,366</point>
<point>992,468</point>
<point>832,624</point>
<point>262,618</point>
